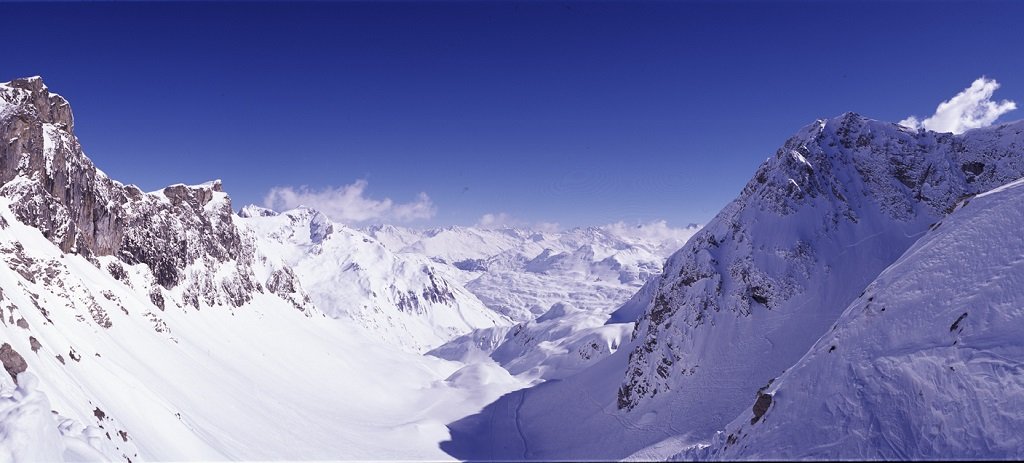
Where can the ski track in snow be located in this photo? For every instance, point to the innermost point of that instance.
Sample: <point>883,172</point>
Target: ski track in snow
<point>519,428</point>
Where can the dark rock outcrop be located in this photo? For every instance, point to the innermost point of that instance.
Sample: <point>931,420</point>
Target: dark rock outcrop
<point>13,362</point>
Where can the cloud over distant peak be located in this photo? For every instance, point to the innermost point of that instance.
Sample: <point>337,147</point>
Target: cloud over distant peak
<point>349,203</point>
<point>969,109</point>
<point>492,221</point>
<point>658,231</point>
<point>497,220</point>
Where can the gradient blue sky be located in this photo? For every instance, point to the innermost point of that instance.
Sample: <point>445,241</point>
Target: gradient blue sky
<point>576,113</point>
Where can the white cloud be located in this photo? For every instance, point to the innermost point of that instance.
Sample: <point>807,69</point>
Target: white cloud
<point>498,220</point>
<point>348,204</point>
<point>501,220</point>
<point>657,232</point>
<point>969,109</point>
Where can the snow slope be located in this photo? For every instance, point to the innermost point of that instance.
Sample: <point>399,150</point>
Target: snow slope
<point>750,293</point>
<point>928,363</point>
<point>402,299</point>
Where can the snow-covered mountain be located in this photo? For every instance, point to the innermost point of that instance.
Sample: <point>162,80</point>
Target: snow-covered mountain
<point>160,326</point>
<point>560,287</point>
<point>750,293</point>
<point>926,364</point>
<point>522,273</point>
<point>403,299</point>
<point>838,203</point>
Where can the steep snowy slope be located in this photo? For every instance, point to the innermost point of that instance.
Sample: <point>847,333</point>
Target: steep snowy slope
<point>402,299</point>
<point>752,291</point>
<point>928,363</point>
<point>159,329</point>
<point>837,204</point>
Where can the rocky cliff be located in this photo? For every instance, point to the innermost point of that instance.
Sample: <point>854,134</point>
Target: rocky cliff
<point>183,234</point>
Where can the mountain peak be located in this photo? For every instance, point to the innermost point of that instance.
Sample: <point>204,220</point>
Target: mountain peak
<point>30,83</point>
<point>252,210</point>
<point>31,94</point>
<point>839,183</point>
<point>54,187</point>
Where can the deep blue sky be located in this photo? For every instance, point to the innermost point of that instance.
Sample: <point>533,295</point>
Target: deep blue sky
<point>560,112</point>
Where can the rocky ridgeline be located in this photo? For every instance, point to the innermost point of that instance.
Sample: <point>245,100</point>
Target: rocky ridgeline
<point>836,204</point>
<point>182,233</point>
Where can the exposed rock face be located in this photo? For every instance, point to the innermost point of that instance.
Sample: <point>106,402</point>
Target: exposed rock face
<point>13,362</point>
<point>57,188</point>
<point>758,285</point>
<point>182,233</point>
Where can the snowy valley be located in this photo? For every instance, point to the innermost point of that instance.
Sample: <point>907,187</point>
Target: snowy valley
<point>861,298</point>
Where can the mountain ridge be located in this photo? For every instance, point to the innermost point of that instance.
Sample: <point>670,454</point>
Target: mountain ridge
<point>750,293</point>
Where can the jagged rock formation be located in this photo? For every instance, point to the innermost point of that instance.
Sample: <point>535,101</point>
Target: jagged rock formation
<point>184,234</point>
